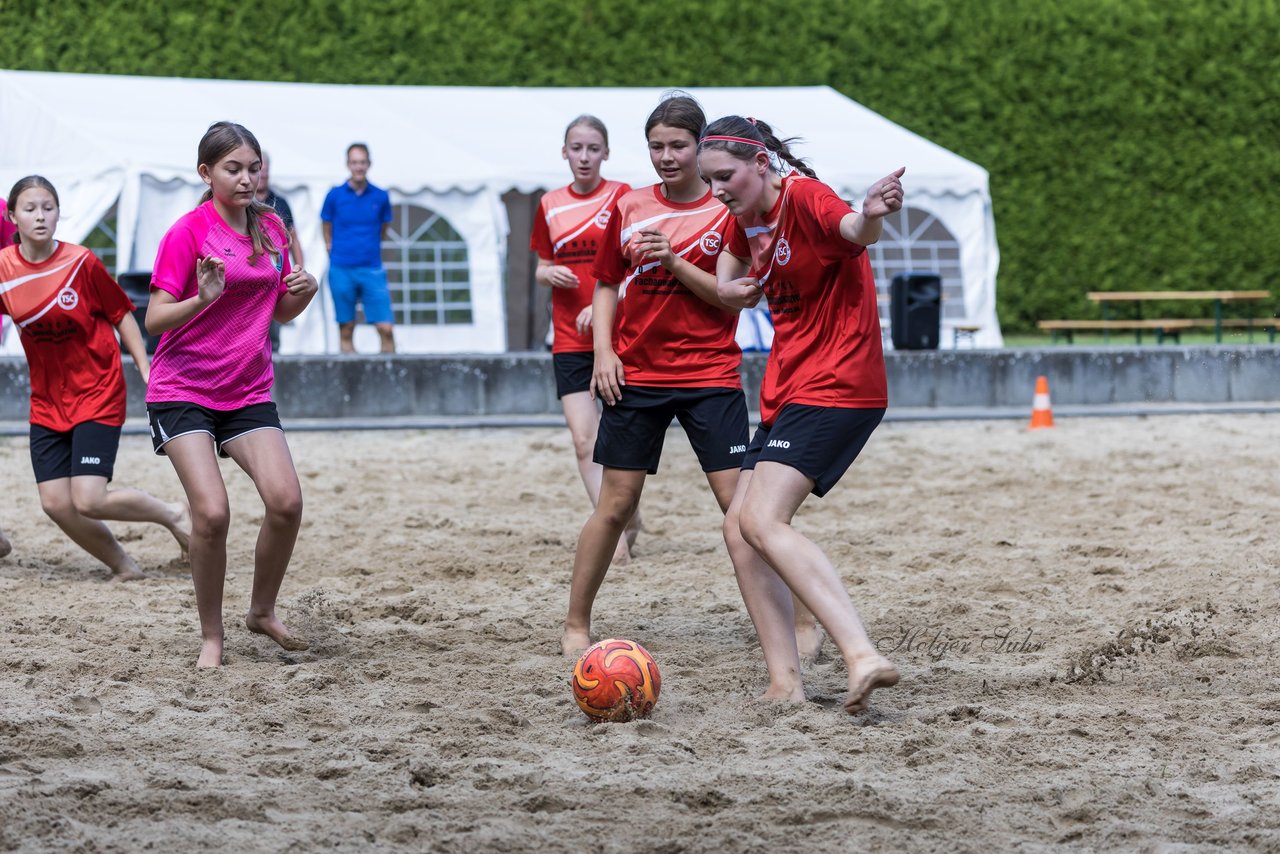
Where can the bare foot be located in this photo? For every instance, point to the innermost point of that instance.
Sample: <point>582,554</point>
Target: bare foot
<point>573,643</point>
<point>276,630</point>
<point>809,640</point>
<point>866,675</point>
<point>210,653</point>
<point>180,527</point>
<point>622,554</point>
<point>634,527</point>
<point>782,694</point>
<point>128,572</point>
<point>5,545</point>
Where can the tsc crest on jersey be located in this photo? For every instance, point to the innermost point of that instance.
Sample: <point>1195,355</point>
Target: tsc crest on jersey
<point>711,242</point>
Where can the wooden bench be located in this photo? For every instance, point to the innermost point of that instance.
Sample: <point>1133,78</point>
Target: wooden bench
<point>1170,328</point>
<point>967,331</point>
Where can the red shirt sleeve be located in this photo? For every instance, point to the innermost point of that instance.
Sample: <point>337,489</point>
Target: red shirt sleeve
<point>735,240</point>
<point>111,298</point>
<point>540,239</point>
<point>828,209</point>
<point>611,264</point>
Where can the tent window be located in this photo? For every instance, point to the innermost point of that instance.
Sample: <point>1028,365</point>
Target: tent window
<point>102,241</point>
<point>427,268</point>
<point>914,240</point>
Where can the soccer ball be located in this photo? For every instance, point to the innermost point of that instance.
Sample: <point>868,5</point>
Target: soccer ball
<point>616,680</point>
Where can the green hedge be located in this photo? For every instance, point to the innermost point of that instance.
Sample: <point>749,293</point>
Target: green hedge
<point>1131,145</point>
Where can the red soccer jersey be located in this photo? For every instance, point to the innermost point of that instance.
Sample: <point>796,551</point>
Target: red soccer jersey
<point>665,334</point>
<point>567,231</point>
<point>66,308</point>
<point>822,295</point>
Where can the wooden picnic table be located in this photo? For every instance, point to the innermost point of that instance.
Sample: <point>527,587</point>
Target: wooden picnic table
<point>1217,297</point>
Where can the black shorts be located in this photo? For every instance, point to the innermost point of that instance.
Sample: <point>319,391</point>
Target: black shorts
<point>86,449</point>
<point>171,420</point>
<point>573,372</point>
<point>819,442</point>
<point>631,431</point>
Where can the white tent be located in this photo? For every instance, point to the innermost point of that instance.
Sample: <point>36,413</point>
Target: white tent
<point>131,142</point>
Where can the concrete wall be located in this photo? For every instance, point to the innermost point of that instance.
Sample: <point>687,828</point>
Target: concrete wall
<point>521,383</point>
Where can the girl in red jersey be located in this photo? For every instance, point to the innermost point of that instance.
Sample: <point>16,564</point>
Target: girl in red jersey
<point>566,235</point>
<point>664,347</point>
<point>221,276</point>
<point>824,391</point>
<point>68,310</point>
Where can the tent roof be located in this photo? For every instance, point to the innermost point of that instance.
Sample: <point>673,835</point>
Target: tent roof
<point>428,137</point>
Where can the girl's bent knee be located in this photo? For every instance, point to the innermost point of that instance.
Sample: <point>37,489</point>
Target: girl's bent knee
<point>286,508</point>
<point>210,524</point>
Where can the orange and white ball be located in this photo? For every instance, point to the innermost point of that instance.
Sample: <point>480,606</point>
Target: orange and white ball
<point>616,680</point>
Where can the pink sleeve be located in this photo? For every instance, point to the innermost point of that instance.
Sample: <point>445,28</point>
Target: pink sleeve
<point>174,271</point>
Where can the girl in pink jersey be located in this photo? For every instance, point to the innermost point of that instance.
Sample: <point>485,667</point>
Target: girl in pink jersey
<point>824,389</point>
<point>222,274</point>
<point>68,311</point>
<point>567,230</point>
<point>664,347</point>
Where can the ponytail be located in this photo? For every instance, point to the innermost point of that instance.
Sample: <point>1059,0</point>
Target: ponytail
<point>744,137</point>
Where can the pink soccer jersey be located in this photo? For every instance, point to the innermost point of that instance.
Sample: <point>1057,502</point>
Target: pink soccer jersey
<point>221,358</point>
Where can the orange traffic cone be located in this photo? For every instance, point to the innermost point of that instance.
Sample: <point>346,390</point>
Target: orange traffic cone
<point>1041,412</point>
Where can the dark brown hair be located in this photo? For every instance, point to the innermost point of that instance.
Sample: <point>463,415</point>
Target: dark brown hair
<point>751,129</point>
<point>360,145</point>
<point>218,141</point>
<point>678,110</point>
<point>27,183</point>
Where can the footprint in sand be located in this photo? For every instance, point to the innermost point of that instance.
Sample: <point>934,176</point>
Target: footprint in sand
<point>86,705</point>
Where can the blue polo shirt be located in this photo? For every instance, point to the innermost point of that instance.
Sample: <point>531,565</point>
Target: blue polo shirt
<point>357,220</point>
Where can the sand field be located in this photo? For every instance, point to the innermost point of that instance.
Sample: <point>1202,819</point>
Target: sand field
<point>1086,620</point>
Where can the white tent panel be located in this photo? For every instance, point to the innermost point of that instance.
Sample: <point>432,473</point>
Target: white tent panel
<point>131,141</point>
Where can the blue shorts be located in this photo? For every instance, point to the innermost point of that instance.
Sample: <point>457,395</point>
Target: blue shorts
<point>819,442</point>
<point>364,285</point>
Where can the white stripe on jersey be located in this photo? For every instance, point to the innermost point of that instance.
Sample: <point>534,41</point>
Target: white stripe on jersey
<point>644,268</point>
<point>45,310</point>
<point>627,232</point>
<point>5,287</point>
<point>590,221</point>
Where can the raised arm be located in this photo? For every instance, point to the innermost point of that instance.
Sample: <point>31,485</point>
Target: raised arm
<point>884,197</point>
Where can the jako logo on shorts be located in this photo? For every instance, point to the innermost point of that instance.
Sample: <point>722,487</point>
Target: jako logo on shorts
<point>779,443</point>
<point>783,253</point>
<point>90,461</point>
<point>68,298</point>
<point>737,449</point>
<point>711,242</point>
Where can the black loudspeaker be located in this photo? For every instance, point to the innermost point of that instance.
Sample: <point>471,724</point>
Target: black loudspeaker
<point>137,287</point>
<point>915,311</point>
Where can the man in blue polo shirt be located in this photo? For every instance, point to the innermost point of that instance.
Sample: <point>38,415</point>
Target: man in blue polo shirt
<point>355,216</point>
